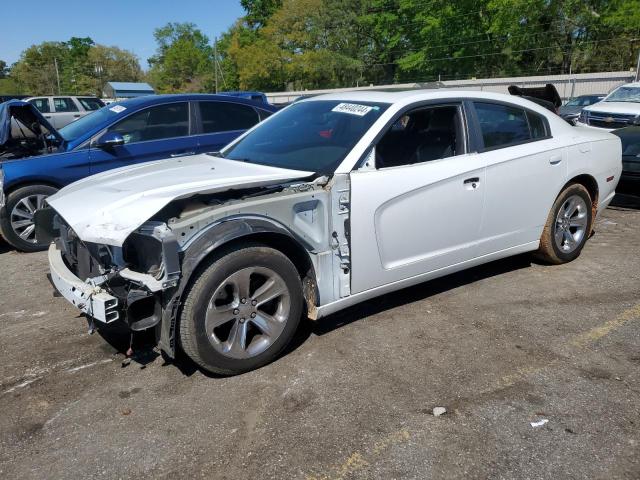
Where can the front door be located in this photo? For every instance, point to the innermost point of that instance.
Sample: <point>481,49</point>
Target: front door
<point>157,132</point>
<point>420,209</point>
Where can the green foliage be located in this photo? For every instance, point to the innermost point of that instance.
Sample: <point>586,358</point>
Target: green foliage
<point>83,67</point>
<point>327,43</point>
<point>183,61</point>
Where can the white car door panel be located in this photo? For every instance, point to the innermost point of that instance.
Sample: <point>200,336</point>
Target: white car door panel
<point>413,219</point>
<point>522,182</point>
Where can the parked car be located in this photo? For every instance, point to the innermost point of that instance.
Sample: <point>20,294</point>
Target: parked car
<point>125,133</point>
<point>255,96</point>
<point>547,96</point>
<point>630,137</point>
<point>571,110</point>
<point>619,109</point>
<point>333,200</point>
<point>62,110</point>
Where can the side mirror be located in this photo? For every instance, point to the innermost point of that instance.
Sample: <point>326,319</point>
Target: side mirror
<point>109,140</point>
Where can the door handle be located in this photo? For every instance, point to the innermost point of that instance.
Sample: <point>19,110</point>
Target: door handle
<point>181,154</point>
<point>473,182</point>
<point>556,159</point>
<point>47,116</point>
<point>76,116</point>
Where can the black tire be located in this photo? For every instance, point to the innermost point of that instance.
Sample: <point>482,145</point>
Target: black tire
<point>9,234</point>
<point>192,333</point>
<point>549,251</point>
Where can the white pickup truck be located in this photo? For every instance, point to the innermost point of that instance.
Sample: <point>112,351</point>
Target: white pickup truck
<point>619,109</point>
<point>62,110</point>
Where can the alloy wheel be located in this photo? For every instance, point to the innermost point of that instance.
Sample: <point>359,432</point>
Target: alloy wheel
<point>247,312</point>
<point>21,216</point>
<point>571,224</point>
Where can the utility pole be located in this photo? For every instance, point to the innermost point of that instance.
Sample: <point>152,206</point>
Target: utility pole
<point>55,62</point>
<point>638,68</point>
<point>215,60</point>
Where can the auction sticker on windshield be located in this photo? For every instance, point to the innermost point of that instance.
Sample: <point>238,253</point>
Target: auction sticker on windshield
<point>118,108</point>
<point>352,108</point>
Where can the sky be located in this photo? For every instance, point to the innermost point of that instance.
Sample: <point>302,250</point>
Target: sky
<point>127,24</point>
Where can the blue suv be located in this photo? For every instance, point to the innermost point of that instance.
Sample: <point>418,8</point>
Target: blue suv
<point>132,131</point>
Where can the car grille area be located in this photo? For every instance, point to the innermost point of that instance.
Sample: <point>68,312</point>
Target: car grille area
<point>609,120</point>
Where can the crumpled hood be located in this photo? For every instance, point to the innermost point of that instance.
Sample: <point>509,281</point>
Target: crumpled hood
<point>107,207</point>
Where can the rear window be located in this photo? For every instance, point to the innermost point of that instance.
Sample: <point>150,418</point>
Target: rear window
<point>90,103</point>
<point>505,125</point>
<point>226,116</point>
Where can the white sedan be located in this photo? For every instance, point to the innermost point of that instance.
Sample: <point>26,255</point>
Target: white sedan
<point>332,201</point>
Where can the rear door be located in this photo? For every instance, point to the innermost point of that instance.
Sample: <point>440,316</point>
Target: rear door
<point>158,132</point>
<point>221,122</point>
<point>64,112</point>
<point>525,169</point>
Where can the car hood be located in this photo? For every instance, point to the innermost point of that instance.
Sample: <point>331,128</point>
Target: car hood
<point>106,208</point>
<point>628,108</point>
<point>26,113</point>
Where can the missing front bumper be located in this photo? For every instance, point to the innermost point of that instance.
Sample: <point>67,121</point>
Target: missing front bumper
<point>91,300</point>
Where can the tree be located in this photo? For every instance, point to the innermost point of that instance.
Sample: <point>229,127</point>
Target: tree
<point>82,67</point>
<point>259,11</point>
<point>183,60</point>
<point>4,70</point>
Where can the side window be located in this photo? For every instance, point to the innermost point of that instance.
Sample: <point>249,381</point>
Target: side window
<point>64,104</point>
<point>42,104</point>
<point>422,135</point>
<point>264,114</point>
<point>155,123</point>
<point>537,125</point>
<point>502,125</point>
<point>225,116</point>
<point>90,103</point>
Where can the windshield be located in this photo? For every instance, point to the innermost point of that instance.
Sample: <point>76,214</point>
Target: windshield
<point>90,121</point>
<point>624,94</point>
<point>583,101</point>
<point>313,136</point>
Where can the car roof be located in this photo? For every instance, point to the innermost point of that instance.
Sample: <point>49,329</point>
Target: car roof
<point>148,100</point>
<point>411,96</point>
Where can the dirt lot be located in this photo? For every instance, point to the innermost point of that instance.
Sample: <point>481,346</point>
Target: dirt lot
<point>499,346</point>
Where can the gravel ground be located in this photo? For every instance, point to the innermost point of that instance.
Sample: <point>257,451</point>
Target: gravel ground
<point>499,346</point>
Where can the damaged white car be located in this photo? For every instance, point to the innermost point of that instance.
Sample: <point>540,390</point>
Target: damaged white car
<point>331,201</point>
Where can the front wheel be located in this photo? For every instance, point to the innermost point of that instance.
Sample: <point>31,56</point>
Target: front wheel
<point>242,310</point>
<point>568,226</point>
<point>16,222</point>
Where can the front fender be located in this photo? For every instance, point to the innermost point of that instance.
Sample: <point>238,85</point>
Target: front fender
<point>216,236</point>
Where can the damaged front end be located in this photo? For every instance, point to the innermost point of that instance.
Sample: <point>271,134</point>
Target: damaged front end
<point>109,283</point>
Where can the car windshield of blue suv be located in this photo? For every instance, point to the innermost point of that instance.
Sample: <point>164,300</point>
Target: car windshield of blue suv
<point>624,94</point>
<point>84,124</point>
<point>311,135</point>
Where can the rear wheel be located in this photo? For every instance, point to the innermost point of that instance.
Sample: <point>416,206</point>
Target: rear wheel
<point>242,310</point>
<point>568,226</point>
<point>16,222</point>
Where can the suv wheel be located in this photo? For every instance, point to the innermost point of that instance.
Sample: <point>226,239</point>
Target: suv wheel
<point>242,310</point>
<point>16,220</point>
<point>568,226</point>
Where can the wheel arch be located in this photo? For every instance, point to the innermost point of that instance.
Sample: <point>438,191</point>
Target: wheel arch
<point>31,182</point>
<point>591,184</point>
<point>225,236</point>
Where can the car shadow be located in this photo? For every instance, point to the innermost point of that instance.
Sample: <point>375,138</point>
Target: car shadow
<point>625,200</point>
<point>145,349</point>
<point>4,246</point>
<point>419,292</point>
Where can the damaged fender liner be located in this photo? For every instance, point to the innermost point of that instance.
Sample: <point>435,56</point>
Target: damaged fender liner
<point>211,239</point>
